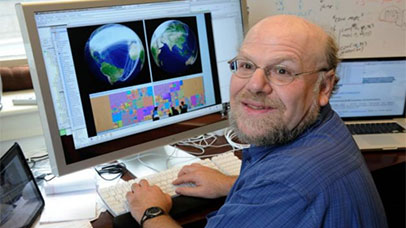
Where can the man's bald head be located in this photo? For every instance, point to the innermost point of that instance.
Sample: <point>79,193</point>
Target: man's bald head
<point>271,30</point>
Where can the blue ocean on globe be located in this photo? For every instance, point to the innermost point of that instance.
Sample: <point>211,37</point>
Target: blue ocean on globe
<point>114,53</point>
<point>174,46</point>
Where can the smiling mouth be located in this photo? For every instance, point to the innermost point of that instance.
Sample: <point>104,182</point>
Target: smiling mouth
<point>257,107</point>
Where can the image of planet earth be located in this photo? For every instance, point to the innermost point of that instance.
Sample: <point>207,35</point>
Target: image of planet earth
<point>174,46</point>
<point>115,53</point>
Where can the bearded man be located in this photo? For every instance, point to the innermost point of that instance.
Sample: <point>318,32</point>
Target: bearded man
<point>303,168</point>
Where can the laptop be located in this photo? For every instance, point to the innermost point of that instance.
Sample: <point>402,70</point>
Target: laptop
<point>20,199</point>
<point>372,94</point>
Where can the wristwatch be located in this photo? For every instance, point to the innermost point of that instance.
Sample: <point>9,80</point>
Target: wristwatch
<point>151,212</point>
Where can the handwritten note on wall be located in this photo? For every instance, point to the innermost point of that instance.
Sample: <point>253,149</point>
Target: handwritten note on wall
<point>362,28</point>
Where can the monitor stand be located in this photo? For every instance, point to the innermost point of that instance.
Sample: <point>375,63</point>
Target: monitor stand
<point>157,160</point>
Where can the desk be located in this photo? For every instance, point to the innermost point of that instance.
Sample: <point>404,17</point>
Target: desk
<point>375,161</point>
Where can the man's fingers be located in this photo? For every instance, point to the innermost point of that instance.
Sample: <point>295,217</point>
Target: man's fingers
<point>185,169</point>
<point>196,165</point>
<point>188,191</point>
<point>143,182</point>
<point>129,196</point>
<point>134,186</point>
<point>189,168</point>
<point>186,178</point>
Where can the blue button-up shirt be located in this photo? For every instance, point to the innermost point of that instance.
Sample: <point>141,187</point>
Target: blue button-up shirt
<point>318,180</point>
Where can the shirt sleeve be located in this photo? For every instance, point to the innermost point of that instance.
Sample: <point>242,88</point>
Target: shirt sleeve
<point>269,204</point>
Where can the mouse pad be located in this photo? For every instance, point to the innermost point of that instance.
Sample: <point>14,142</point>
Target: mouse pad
<point>182,206</point>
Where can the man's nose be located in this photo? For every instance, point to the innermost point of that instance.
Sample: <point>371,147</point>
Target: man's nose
<point>258,83</point>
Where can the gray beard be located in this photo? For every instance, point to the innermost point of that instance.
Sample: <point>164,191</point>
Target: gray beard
<point>278,132</point>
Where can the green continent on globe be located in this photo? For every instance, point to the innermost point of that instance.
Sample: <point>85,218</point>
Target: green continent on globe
<point>155,52</point>
<point>177,36</point>
<point>112,73</point>
<point>174,35</point>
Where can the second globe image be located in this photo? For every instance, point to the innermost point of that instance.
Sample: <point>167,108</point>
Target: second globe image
<point>174,47</point>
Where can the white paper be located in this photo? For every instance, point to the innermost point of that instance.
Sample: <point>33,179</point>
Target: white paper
<point>69,207</point>
<point>78,181</point>
<point>75,224</point>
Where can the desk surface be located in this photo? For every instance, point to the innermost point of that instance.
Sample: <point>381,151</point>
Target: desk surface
<point>374,160</point>
<point>382,159</point>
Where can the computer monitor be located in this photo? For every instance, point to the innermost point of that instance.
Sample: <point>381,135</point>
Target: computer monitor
<point>371,88</point>
<point>118,77</point>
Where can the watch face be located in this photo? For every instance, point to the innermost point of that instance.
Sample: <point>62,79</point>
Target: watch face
<point>154,211</point>
<point>151,212</point>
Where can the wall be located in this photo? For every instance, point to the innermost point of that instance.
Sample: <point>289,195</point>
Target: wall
<point>363,28</point>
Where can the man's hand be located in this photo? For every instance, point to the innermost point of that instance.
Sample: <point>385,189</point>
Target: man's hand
<point>144,196</point>
<point>209,183</point>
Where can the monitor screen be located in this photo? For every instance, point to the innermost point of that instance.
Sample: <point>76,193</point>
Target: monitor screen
<point>113,78</point>
<point>371,88</point>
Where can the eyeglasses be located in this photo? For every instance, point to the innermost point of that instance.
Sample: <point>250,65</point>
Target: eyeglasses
<point>277,74</point>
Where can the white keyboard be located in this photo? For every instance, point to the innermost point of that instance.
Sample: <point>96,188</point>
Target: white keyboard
<point>114,196</point>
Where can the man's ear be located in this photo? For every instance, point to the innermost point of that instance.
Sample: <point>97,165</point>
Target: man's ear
<point>326,87</point>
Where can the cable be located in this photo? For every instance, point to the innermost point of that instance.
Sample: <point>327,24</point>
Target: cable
<point>146,164</point>
<point>201,142</point>
<point>170,156</point>
<point>117,168</point>
<point>177,156</point>
<point>44,177</point>
<point>34,159</point>
<point>230,135</point>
